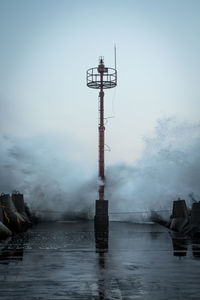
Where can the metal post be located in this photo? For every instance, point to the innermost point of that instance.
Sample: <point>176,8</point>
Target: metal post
<point>101,141</point>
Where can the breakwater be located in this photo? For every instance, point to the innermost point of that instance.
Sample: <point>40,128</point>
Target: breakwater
<point>15,215</point>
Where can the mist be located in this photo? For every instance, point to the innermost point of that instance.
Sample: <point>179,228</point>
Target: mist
<point>168,169</point>
<point>41,168</point>
<point>55,183</point>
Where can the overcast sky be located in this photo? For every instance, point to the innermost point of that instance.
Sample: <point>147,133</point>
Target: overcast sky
<point>46,47</point>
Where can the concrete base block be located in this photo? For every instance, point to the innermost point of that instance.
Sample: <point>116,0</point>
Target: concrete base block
<point>101,220</point>
<point>101,207</point>
<point>101,225</point>
<point>101,239</point>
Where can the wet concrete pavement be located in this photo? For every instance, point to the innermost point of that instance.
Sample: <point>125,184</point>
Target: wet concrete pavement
<point>60,261</point>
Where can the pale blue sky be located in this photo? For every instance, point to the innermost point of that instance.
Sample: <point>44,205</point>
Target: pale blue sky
<point>47,46</point>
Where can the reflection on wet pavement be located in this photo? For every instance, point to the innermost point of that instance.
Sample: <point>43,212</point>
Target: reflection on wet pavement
<point>196,247</point>
<point>180,246</point>
<point>61,261</point>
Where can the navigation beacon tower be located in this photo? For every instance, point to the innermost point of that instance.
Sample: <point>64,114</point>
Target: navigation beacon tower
<point>101,78</point>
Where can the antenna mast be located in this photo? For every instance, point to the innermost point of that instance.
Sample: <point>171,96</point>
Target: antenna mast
<point>115,50</point>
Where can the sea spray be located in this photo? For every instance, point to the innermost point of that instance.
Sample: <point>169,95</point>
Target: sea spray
<point>167,169</point>
<point>54,184</point>
<point>51,182</point>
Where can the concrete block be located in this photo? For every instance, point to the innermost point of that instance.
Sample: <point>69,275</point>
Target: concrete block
<point>195,214</point>
<point>196,247</point>
<point>101,207</point>
<point>101,220</point>
<point>101,239</point>
<point>4,231</point>
<point>180,225</point>
<point>180,217</point>
<point>179,209</point>
<point>1,214</point>
<point>12,219</point>
<point>101,224</point>
<point>18,200</point>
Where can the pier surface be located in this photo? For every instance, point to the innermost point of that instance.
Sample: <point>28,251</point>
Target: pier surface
<point>59,261</point>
